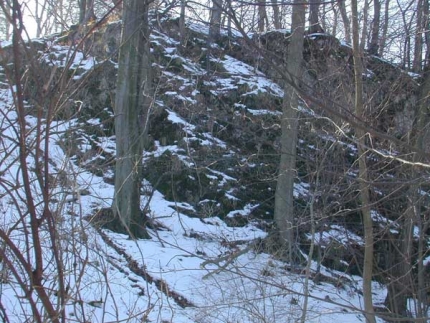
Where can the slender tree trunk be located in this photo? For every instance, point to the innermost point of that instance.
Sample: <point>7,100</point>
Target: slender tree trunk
<point>182,21</point>
<point>214,30</point>
<point>363,175</point>
<point>37,18</point>
<point>59,13</point>
<point>262,15</point>
<point>284,199</point>
<point>276,16</point>
<point>400,285</point>
<point>345,20</point>
<point>314,23</point>
<point>421,140</point>
<point>82,10</point>
<point>86,11</point>
<point>41,18</point>
<point>418,38</point>
<point>364,37</point>
<point>132,104</point>
<point>310,260</point>
<point>89,11</point>
<point>215,20</point>
<point>230,14</point>
<point>407,26</point>
<point>312,246</point>
<point>383,39</point>
<point>422,297</point>
<point>427,34</point>
<point>374,39</point>
<point>335,20</point>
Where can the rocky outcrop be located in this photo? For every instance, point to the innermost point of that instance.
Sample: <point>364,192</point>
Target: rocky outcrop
<point>213,145</point>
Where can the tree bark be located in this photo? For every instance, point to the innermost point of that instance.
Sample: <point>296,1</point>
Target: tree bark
<point>230,14</point>
<point>132,105</point>
<point>407,29</point>
<point>363,174</point>
<point>345,20</point>
<point>86,11</point>
<point>215,20</point>
<point>262,15</point>
<point>82,10</point>
<point>383,39</point>
<point>276,17</point>
<point>427,34</point>
<point>418,38</point>
<point>183,4</point>
<point>335,20</point>
<point>399,287</point>
<point>364,37</point>
<point>284,199</point>
<point>422,138</point>
<point>374,39</point>
<point>314,23</point>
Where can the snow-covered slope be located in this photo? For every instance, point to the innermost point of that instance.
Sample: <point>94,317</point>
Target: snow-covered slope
<point>207,260</point>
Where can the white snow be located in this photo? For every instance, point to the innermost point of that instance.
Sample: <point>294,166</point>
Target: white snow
<point>187,254</point>
<point>244,74</point>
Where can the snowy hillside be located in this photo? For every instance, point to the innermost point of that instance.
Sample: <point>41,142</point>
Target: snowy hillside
<point>208,189</point>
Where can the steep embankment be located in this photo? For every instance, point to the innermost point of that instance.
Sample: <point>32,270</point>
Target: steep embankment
<point>214,131</point>
<point>210,173</point>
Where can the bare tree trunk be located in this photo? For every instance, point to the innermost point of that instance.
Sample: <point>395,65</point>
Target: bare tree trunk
<point>89,11</point>
<point>345,20</point>
<point>418,38</point>
<point>364,39</point>
<point>401,286</point>
<point>284,199</point>
<point>363,175</point>
<point>423,299</point>
<point>82,10</point>
<point>41,16</point>
<point>230,14</point>
<point>374,39</point>
<point>314,221</point>
<point>276,17</point>
<point>86,11</point>
<point>323,18</point>
<point>59,16</point>
<point>335,20</point>
<point>262,15</point>
<point>215,20</point>
<point>132,104</point>
<point>182,22</point>
<point>383,39</point>
<point>407,26</point>
<point>427,34</point>
<point>422,138</point>
<point>214,29</point>
<point>314,24</point>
